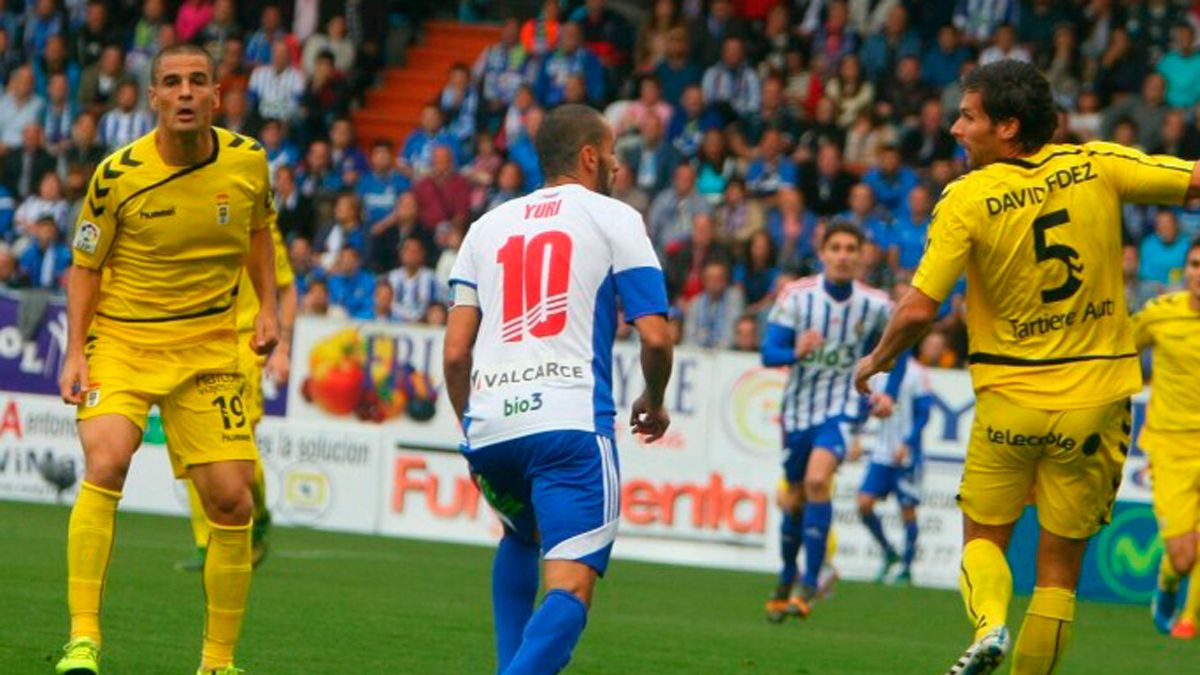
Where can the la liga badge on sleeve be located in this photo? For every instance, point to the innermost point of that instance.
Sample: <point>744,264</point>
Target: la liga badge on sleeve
<point>87,237</point>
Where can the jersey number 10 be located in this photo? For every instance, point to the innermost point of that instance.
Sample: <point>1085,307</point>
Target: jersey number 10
<point>535,279</point>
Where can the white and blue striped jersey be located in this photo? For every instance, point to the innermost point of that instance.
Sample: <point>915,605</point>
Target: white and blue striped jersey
<point>119,128</point>
<point>548,270</point>
<point>909,414</point>
<point>820,386</point>
<point>412,296</point>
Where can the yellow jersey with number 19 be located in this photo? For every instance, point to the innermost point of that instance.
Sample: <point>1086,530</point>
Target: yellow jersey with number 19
<point>1171,329</point>
<point>1040,240</point>
<point>172,241</point>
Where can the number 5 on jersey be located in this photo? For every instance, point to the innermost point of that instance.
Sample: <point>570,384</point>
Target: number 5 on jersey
<point>536,275</point>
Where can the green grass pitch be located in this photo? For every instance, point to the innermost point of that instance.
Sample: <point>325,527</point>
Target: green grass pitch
<point>327,603</point>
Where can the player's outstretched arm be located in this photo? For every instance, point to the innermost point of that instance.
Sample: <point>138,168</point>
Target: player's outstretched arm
<point>261,267</point>
<point>1194,186</point>
<point>913,317</point>
<point>462,326</point>
<point>83,292</point>
<point>649,416</point>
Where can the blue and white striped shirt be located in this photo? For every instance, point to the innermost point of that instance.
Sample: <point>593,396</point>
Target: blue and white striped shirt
<point>118,128</point>
<point>277,94</point>
<point>820,386</point>
<point>413,295</point>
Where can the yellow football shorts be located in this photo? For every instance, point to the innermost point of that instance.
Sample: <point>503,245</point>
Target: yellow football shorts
<point>198,389</point>
<point>1069,461</point>
<point>1174,479</point>
<point>251,365</point>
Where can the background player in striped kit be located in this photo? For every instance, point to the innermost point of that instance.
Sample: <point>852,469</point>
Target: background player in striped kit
<point>819,327</point>
<point>896,466</point>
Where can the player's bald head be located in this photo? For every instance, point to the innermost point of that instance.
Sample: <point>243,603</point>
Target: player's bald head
<point>565,131</point>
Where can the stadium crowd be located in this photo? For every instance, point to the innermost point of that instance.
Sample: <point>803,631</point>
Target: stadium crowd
<point>743,128</point>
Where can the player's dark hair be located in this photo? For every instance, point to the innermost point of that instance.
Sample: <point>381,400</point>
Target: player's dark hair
<point>1195,244</point>
<point>842,227</point>
<point>181,48</point>
<point>564,132</point>
<point>1011,89</point>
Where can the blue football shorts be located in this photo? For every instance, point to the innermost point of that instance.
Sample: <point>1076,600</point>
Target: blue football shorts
<point>561,489</point>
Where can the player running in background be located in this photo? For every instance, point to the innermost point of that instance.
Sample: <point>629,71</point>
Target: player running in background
<point>1171,438</point>
<point>528,368</point>
<point>896,466</point>
<point>819,326</point>
<point>1037,228</point>
<point>171,222</point>
<point>251,365</point>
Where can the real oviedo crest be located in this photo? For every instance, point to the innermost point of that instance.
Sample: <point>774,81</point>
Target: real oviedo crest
<point>222,209</point>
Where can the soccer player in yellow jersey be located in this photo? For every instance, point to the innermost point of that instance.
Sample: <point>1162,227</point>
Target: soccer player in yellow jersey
<point>171,222</point>
<point>1169,326</point>
<point>1037,228</point>
<point>251,365</point>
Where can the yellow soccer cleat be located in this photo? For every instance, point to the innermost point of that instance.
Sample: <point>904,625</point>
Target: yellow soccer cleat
<point>81,656</point>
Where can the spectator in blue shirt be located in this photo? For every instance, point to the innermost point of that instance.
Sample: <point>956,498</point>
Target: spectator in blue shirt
<point>460,105</point>
<point>523,152</point>
<point>416,157</point>
<point>280,151</point>
<point>942,62</point>
<point>500,70</point>
<point>380,187</point>
<point>865,214</point>
<point>770,169</point>
<point>690,122</point>
<point>731,83</point>
<point>1181,68</point>
<point>351,287</point>
<point>910,232</point>
<point>8,206</point>
<point>344,154</point>
<point>571,58</point>
<point>42,20</point>
<point>258,47</point>
<point>345,231</point>
<point>676,71</point>
<point>1162,254</point>
<point>891,181</point>
<point>882,51</point>
<point>650,159</point>
<point>46,258</point>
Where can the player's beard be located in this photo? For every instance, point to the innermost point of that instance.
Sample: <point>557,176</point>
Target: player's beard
<point>604,179</point>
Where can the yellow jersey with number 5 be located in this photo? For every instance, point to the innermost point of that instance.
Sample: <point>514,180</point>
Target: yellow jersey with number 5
<point>1040,240</point>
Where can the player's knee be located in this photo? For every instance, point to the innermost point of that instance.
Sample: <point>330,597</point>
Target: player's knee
<point>1183,558</point>
<point>817,488</point>
<point>866,504</point>
<point>106,468</point>
<point>230,505</point>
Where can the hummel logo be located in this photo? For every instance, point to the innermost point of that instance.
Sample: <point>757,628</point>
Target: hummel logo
<point>160,213</point>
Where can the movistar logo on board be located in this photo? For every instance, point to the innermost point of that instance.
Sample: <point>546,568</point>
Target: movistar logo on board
<point>1128,552</point>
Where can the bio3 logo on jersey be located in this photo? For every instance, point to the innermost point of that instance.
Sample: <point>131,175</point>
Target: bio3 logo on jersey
<point>521,404</point>
<point>840,357</point>
<point>222,209</point>
<point>1127,554</point>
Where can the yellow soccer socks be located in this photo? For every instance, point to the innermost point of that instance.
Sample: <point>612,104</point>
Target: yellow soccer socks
<point>986,585</point>
<point>1168,578</point>
<point>89,548</point>
<point>226,588</point>
<point>1045,633</point>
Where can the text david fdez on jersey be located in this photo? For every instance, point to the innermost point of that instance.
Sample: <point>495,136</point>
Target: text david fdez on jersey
<point>1036,194</point>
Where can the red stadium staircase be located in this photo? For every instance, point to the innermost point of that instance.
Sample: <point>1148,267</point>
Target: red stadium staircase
<point>393,108</point>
